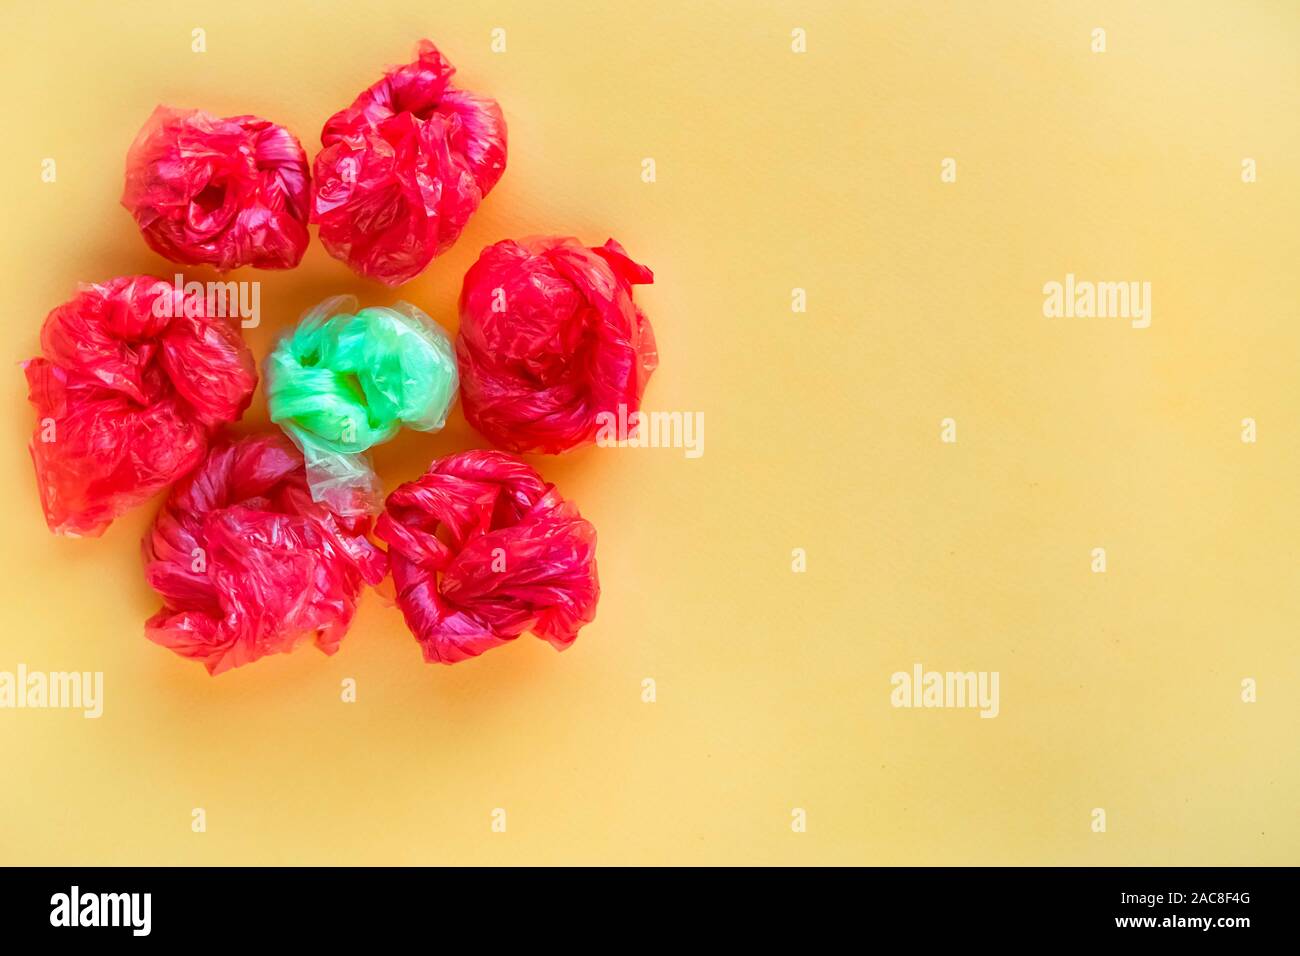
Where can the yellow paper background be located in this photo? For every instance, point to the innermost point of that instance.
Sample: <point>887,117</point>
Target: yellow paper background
<point>775,170</point>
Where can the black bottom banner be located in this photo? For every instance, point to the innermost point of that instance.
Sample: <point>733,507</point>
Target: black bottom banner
<point>236,905</point>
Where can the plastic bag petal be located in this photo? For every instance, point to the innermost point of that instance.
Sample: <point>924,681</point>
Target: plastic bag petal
<point>222,192</point>
<point>551,345</point>
<point>133,379</point>
<point>247,564</point>
<point>345,380</point>
<point>481,550</point>
<point>404,167</point>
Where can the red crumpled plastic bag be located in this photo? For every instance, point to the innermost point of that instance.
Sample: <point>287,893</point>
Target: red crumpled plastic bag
<point>404,167</point>
<point>551,346</point>
<point>482,549</point>
<point>220,192</point>
<point>129,390</point>
<point>247,564</point>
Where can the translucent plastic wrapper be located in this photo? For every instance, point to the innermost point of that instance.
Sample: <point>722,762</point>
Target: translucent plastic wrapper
<point>550,341</point>
<point>247,564</point>
<point>135,377</point>
<point>221,192</point>
<point>343,381</point>
<point>481,550</point>
<point>404,167</point>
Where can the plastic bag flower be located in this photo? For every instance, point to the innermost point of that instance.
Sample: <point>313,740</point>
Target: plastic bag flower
<point>343,381</point>
<point>404,167</point>
<point>220,192</point>
<point>135,377</point>
<point>247,564</point>
<point>551,345</point>
<point>481,550</point>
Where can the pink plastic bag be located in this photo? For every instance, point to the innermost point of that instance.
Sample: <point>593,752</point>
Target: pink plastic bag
<point>551,343</point>
<point>220,192</point>
<point>247,564</point>
<point>404,167</point>
<point>482,549</point>
<point>128,391</point>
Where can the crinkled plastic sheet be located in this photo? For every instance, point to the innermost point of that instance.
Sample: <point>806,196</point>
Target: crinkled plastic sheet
<point>248,564</point>
<point>221,192</point>
<point>404,167</point>
<point>481,550</point>
<point>550,339</point>
<point>345,380</point>
<point>133,380</point>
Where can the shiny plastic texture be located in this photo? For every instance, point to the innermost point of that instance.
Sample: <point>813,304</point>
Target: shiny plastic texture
<point>343,381</point>
<point>133,380</point>
<point>550,340</point>
<point>247,564</point>
<point>481,550</point>
<point>404,167</point>
<point>221,192</point>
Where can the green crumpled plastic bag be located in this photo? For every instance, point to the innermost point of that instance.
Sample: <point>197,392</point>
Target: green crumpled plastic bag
<point>343,381</point>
